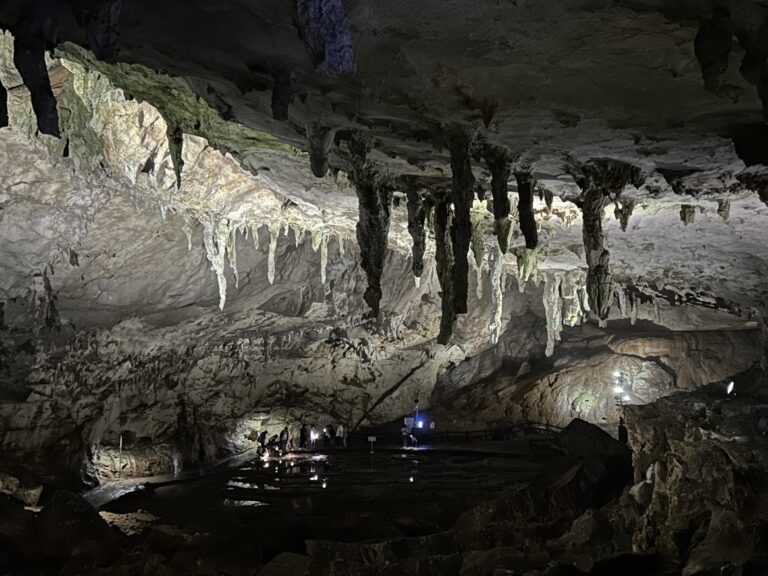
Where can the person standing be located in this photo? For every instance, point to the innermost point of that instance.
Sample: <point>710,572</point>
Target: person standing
<point>284,437</point>
<point>303,433</point>
<point>340,436</point>
<point>312,436</point>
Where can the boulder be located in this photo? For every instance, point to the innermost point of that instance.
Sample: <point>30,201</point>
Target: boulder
<point>69,526</point>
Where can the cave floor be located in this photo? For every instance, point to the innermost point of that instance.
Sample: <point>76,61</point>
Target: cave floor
<point>262,508</point>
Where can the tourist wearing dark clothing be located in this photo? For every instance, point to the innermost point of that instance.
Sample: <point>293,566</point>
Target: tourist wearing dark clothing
<point>284,437</point>
<point>262,439</point>
<point>303,436</point>
<point>327,434</point>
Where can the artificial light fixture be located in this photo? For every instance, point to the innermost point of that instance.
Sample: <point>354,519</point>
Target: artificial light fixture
<point>729,390</point>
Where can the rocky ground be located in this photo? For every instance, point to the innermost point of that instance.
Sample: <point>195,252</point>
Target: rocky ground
<point>695,504</point>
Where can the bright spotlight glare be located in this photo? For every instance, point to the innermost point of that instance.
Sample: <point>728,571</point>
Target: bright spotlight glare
<point>325,484</point>
<point>420,424</point>
<point>313,478</point>
<point>411,479</point>
<point>618,390</point>
<point>626,398</point>
<point>730,388</point>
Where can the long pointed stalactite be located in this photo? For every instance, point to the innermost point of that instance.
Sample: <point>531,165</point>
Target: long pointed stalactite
<point>374,198</point>
<point>444,262</point>
<point>499,162</point>
<point>417,215</point>
<point>602,181</point>
<point>459,141</point>
<point>525,187</point>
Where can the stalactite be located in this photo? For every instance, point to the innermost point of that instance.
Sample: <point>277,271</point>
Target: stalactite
<point>35,31</point>
<point>623,209</point>
<point>499,161</point>
<point>687,214</point>
<point>319,140</point>
<point>552,310</point>
<point>599,280</point>
<point>724,209</point>
<point>3,106</point>
<point>232,255</point>
<point>271,258</point>
<point>416,217</point>
<point>444,262</point>
<point>215,235</point>
<point>525,188</point>
<point>601,180</point>
<point>459,141</point>
<point>496,265</point>
<point>323,258</point>
<point>527,265</point>
<point>282,93</point>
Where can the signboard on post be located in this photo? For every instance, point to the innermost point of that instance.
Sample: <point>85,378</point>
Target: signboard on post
<point>371,439</point>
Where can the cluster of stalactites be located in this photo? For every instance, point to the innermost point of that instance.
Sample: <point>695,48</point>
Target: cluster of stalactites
<point>220,242</point>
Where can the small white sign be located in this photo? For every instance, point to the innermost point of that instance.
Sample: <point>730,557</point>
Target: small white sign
<point>371,438</point>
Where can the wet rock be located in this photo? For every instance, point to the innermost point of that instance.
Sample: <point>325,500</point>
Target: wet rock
<point>69,526</point>
<point>323,27</point>
<point>459,140</point>
<point>525,188</point>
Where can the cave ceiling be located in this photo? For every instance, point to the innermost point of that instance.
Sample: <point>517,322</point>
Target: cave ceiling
<point>642,119</point>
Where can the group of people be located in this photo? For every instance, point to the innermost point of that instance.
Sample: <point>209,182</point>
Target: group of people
<point>309,435</point>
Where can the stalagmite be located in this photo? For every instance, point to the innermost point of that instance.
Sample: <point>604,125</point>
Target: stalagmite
<point>525,187</point>
<point>499,161</point>
<point>273,235</point>
<point>232,255</point>
<point>417,215</point>
<point>459,141</point>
